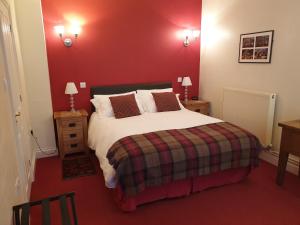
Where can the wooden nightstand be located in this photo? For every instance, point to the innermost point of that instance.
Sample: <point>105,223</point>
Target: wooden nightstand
<point>197,106</point>
<point>71,131</point>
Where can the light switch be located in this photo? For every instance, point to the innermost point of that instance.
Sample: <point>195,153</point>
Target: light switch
<point>82,85</point>
<point>179,79</point>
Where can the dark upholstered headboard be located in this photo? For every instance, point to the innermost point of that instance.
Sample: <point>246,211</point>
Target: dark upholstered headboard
<point>117,89</point>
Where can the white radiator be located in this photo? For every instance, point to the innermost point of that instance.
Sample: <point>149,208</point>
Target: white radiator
<point>251,110</point>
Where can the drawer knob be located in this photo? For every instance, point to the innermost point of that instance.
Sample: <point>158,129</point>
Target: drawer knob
<point>73,135</point>
<point>74,145</point>
<point>72,124</point>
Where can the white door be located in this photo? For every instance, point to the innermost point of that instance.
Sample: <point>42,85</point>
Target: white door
<point>11,77</point>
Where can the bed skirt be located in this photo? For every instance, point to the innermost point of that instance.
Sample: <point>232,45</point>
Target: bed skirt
<point>179,188</point>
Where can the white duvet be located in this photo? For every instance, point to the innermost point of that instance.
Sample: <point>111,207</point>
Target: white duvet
<point>105,131</point>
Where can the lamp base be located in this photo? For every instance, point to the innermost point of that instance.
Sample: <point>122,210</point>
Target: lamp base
<point>72,104</point>
<point>185,94</point>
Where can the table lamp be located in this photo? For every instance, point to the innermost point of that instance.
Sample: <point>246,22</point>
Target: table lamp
<point>71,90</point>
<point>186,81</point>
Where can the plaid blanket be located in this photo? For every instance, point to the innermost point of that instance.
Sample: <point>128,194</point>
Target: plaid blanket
<point>157,158</point>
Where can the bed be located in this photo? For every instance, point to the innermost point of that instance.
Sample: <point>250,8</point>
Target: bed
<point>107,135</point>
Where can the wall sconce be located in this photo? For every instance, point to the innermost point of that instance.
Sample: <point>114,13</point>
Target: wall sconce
<point>188,35</point>
<point>74,30</point>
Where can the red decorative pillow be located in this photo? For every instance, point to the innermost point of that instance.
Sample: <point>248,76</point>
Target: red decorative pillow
<point>124,106</point>
<point>166,101</point>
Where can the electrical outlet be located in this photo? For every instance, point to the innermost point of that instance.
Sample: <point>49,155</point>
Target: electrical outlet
<point>82,84</point>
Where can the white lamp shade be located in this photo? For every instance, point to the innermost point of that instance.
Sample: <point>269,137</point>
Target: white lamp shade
<point>186,81</point>
<point>71,88</point>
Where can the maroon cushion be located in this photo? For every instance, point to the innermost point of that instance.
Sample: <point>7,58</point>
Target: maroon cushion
<point>166,101</point>
<point>124,106</point>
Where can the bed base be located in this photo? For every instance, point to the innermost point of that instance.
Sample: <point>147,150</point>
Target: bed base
<point>179,188</point>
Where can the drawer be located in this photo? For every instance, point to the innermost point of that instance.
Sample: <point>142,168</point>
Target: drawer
<point>290,141</point>
<point>72,123</point>
<point>201,109</point>
<point>204,111</point>
<point>72,134</point>
<point>74,146</point>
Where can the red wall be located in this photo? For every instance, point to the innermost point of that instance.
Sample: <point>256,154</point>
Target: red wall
<point>122,41</point>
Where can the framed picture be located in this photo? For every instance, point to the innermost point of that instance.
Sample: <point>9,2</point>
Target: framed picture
<point>256,47</point>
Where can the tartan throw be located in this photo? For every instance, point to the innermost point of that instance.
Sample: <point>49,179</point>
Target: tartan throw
<point>157,158</point>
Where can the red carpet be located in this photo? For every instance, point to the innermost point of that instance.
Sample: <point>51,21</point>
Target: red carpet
<point>256,201</point>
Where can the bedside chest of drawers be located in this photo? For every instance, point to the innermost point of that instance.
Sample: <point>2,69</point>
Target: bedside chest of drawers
<point>200,106</point>
<point>71,131</point>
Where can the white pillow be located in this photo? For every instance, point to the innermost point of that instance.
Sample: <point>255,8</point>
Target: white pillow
<point>179,102</point>
<point>103,106</point>
<point>147,100</point>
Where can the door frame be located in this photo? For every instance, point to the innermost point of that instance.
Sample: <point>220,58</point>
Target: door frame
<point>13,69</point>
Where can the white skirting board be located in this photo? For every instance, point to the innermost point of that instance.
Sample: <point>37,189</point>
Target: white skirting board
<point>49,153</point>
<point>273,156</point>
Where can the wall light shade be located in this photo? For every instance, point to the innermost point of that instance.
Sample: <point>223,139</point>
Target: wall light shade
<point>59,30</point>
<point>187,33</point>
<point>73,29</point>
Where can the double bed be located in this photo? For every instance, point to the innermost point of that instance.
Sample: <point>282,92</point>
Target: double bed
<point>127,144</point>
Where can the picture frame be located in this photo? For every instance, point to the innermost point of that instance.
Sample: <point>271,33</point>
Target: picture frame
<point>256,47</point>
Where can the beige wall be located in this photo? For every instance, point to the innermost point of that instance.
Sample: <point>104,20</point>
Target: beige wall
<point>35,90</point>
<point>222,24</point>
<point>33,48</point>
